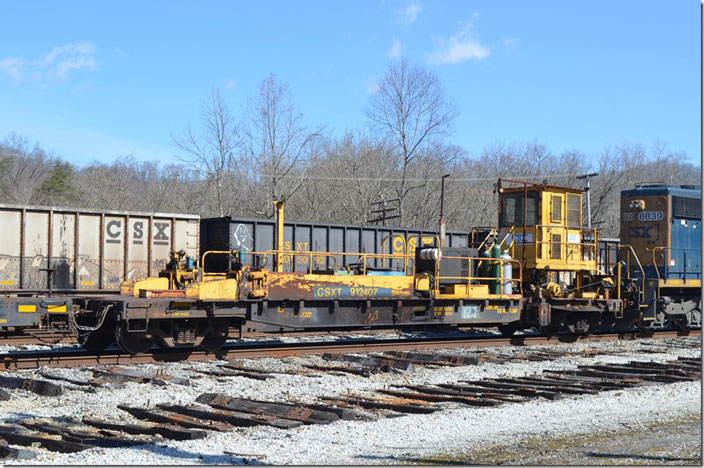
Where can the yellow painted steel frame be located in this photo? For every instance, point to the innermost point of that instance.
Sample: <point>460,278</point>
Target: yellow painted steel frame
<point>332,286</point>
<point>132,288</point>
<point>478,290</point>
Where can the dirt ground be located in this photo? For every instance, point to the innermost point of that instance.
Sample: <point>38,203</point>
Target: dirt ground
<point>674,442</point>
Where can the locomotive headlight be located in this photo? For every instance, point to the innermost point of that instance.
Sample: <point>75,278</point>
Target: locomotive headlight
<point>637,204</point>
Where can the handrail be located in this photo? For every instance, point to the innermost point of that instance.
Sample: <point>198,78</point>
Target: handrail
<point>202,265</point>
<point>640,266</point>
<point>363,257</point>
<point>300,253</point>
<point>655,263</point>
<point>491,232</point>
<point>588,248</point>
<point>513,238</point>
<point>475,229</point>
<point>420,237</point>
<point>366,256</point>
<point>668,268</point>
<point>391,236</point>
<point>469,277</point>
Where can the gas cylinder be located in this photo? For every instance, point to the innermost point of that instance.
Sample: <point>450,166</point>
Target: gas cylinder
<point>495,270</point>
<point>484,267</point>
<point>507,274</point>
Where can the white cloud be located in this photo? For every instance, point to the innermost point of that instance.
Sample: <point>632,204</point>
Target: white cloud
<point>52,67</point>
<point>464,45</point>
<point>82,87</point>
<point>12,66</point>
<point>395,50</point>
<point>510,43</point>
<point>372,85</point>
<point>408,15</point>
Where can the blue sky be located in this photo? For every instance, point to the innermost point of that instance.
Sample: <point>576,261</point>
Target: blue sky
<point>96,80</point>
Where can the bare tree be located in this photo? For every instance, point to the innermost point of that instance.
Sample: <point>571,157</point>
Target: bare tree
<point>23,170</point>
<point>275,142</point>
<point>409,107</point>
<point>212,150</point>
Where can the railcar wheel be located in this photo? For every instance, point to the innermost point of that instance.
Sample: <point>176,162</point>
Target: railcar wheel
<point>133,342</point>
<point>682,324</point>
<point>697,317</point>
<point>646,329</point>
<point>549,330</point>
<point>216,337</point>
<point>94,341</point>
<point>507,329</point>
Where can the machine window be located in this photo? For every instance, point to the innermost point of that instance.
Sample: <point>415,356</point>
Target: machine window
<point>512,209</point>
<point>686,207</point>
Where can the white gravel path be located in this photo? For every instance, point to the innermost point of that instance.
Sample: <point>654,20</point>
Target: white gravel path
<point>386,440</point>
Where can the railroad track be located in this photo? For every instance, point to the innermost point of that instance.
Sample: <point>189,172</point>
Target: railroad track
<point>79,357</point>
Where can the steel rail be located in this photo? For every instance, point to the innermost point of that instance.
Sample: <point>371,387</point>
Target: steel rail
<point>35,359</point>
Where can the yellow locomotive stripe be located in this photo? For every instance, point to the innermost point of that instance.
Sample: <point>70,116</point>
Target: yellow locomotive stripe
<point>7,282</point>
<point>26,308</point>
<point>87,283</point>
<point>690,283</point>
<point>56,309</point>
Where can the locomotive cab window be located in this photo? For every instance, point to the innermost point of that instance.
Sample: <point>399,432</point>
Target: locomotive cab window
<point>512,209</point>
<point>686,207</point>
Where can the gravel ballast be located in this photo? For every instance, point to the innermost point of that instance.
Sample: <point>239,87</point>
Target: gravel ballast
<point>457,433</point>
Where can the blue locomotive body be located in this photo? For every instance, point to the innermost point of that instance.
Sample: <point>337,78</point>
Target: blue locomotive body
<point>663,225</point>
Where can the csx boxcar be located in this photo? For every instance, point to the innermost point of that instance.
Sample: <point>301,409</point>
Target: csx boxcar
<point>48,254</point>
<point>72,250</point>
<point>663,225</point>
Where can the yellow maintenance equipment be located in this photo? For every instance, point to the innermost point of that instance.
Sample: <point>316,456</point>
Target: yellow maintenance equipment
<point>547,226</point>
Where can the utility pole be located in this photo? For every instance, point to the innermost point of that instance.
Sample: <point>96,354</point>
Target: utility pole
<point>385,213</point>
<point>586,189</point>
<point>442,210</point>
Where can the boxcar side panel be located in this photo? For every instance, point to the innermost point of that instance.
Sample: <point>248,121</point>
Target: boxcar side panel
<point>10,249</point>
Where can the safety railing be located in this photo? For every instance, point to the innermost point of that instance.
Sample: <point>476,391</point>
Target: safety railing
<point>492,235</point>
<point>470,279</point>
<point>404,250</point>
<point>587,251</point>
<point>287,257</point>
<point>312,259</point>
<point>630,254</point>
<point>476,231</point>
<point>407,246</point>
<point>679,272</point>
<point>420,244</point>
<point>204,275</point>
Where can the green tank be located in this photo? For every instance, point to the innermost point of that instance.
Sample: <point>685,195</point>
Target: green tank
<point>495,270</point>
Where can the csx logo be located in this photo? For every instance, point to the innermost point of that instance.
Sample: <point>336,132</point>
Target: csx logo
<point>328,292</point>
<point>639,232</point>
<point>113,232</point>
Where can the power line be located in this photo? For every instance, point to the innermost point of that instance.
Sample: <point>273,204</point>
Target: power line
<point>398,179</point>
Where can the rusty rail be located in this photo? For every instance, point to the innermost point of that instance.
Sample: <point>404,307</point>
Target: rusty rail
<point>34,359</point>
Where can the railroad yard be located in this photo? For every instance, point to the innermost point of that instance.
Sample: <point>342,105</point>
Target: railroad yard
<point>602,401</point>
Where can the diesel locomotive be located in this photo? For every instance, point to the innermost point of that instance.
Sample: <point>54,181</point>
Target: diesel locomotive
<point>663,225</point>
